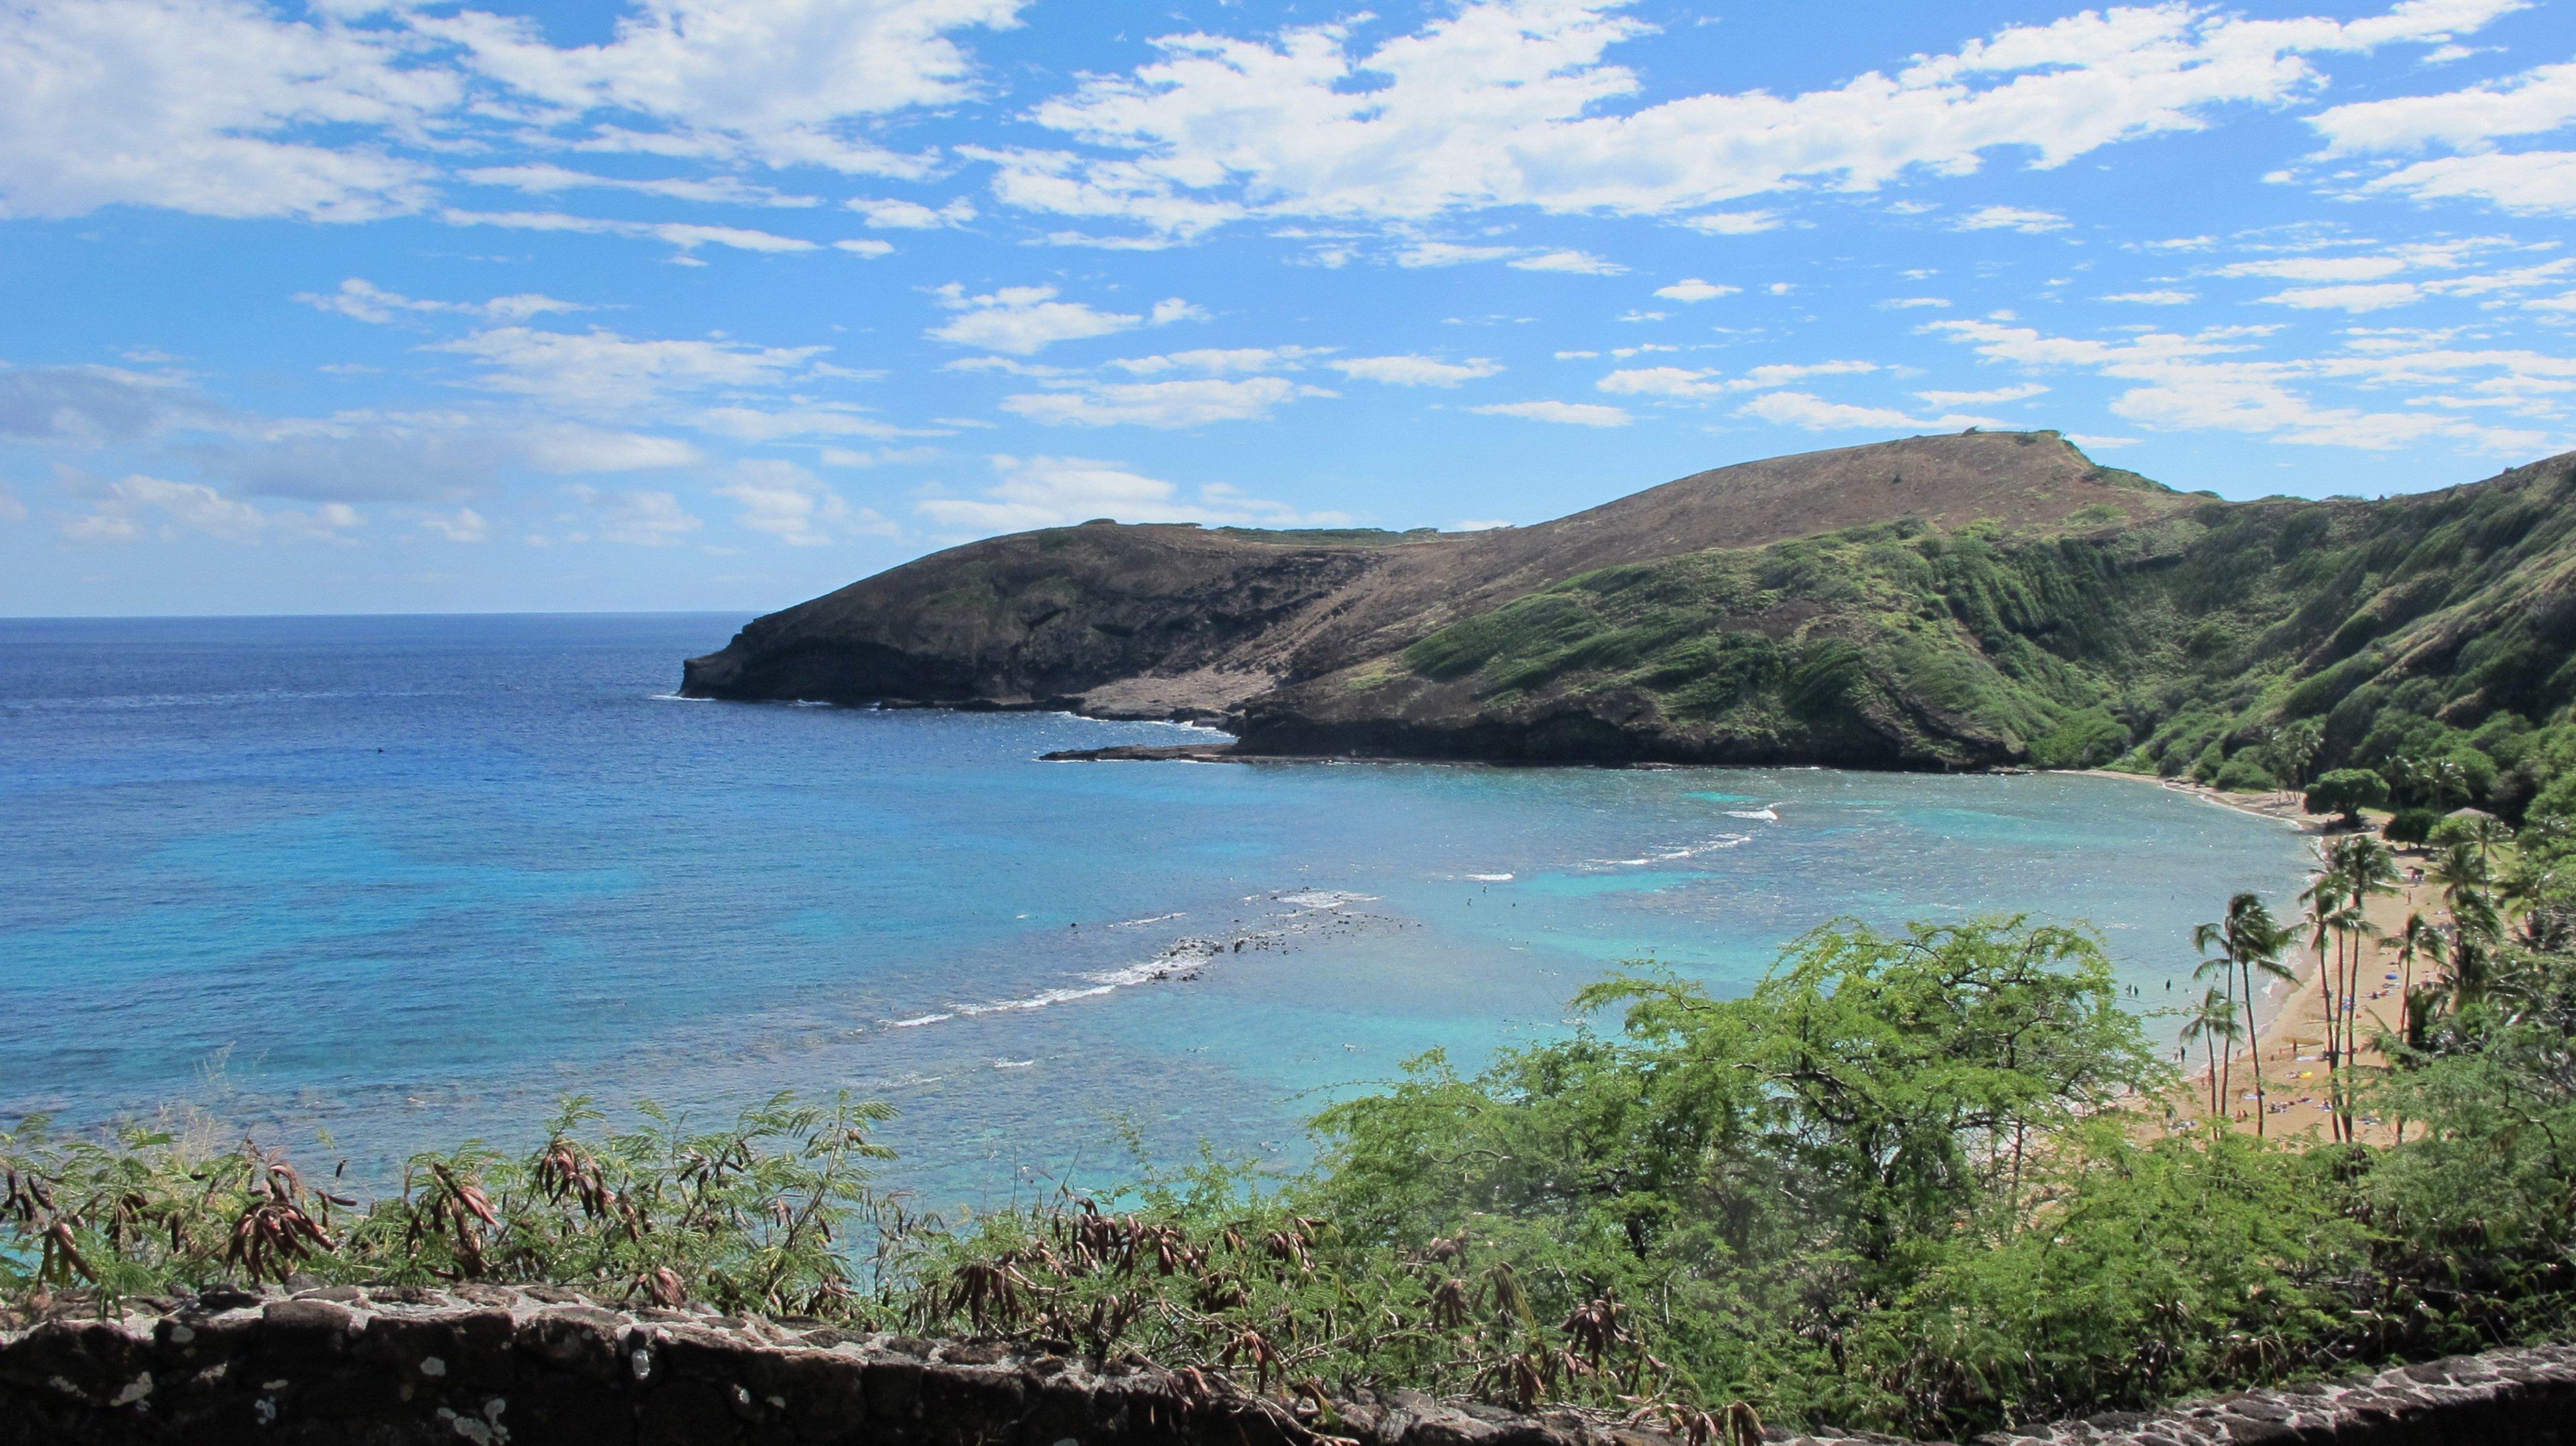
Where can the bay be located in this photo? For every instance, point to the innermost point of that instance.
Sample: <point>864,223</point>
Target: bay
<point>361,885</point>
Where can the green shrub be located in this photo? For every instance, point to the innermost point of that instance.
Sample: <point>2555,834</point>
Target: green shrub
<point>2411,825</point>
<point>2246,773</point>
<point>2347,791</point>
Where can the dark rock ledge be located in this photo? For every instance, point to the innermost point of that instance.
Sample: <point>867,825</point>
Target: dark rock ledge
<point>401,1367</point>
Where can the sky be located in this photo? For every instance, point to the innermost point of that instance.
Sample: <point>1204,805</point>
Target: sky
<point>350,306</point>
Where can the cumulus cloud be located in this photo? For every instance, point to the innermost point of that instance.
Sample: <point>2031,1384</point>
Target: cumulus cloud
<point>637,518</point>
<point>686,236</point>
<point>1573,414</point>
<point>1516,103</point>
<point>782,82</point>
<point>912,215</point>
<point>1694,289</point>
<point>2212,381</point>
<point>2472,122</point>
<point>601,371</point>
<point>2534,102</point>
<point>1221,360</point>
<point>140,505</point>
<point>1690,383</point>
<point>207,106</point>
<point>95,405</point>
<point>1581,263</point>
<point>463,525</point>
<point>1815,414</point>
<point>1055,491</point>
<point>363,300</point>
<point>1167,405</point>
<point>1022,320</point>
<point>543,180</point>
<point>793,505</point>
<point>2011,218</point>
<point>1416,371</point>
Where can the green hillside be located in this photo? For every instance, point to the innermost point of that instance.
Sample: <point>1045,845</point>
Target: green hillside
<point>2405,633</point>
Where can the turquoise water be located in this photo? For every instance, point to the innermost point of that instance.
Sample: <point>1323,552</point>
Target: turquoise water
<point>406,879</point>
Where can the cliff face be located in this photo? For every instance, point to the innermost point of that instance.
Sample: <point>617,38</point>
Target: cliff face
<point>1939,602</point>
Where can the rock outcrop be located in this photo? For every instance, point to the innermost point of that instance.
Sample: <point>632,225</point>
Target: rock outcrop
<point>1940,602</point>
<point>535,1367</point>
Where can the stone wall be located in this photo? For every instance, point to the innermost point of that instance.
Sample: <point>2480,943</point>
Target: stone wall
<point>384,1367</point>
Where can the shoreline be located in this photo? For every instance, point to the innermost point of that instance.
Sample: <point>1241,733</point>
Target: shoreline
<point>2290,1043</point>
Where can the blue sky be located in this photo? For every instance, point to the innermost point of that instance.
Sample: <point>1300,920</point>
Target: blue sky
<point>352,306</point>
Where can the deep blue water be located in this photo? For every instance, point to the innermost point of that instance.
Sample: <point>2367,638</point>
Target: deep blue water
<point>408,879</point>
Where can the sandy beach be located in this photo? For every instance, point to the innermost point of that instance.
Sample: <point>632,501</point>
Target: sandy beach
<point>2290,1018</point>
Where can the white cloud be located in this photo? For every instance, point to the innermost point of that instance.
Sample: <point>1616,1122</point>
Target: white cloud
<point>868,247</point>
<point>798,419</point>
<point>545,180</point>
<point>2531,103</point>
<point>94,405</point>
<point>2209,382</point>
<point>207,106</point>
<point>2164,296</point>
<point>1168,405</point>
<point>1416,371</point>
<point>1449,253</point>
<point>1581,263</point>
<point>1025,319</point>
<point>365,301</point>
<point>2470,122</point>
<point>463,525</point>
<point>687,237</point>
<point>1684,382</point>
<point>783,82</point>
<point>1056,491</point>
<point>793,505</point>
<point>123,510</point>
<point>601,371</point>
<point>1985,398</point>
<point>1219,360</point>
<point>569,447</point>
<point>1513,102</point>
<point>1577,414</point>
<point>2011,218</point>
<point>639,519</point>
<point>1815,414</point>
<point>912,215</point>
<point>1912,303</point>
<point>1732,223</point>
<point>2531,183</point>
<point>2090,442</point>
<point>1693,289</point>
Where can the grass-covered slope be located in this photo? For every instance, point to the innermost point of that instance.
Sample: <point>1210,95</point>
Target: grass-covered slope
<point>2194,641</point>
<point>1936,602</point>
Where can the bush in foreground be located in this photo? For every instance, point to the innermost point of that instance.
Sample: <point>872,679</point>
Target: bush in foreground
<point>1912,1182</point>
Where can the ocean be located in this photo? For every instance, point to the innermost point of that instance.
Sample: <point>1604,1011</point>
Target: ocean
<point>360,885</point>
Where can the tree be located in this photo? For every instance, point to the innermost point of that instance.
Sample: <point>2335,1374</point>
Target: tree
<point>2210,1025</point>
<point>2247,942</point>
<point>2417,943</point>
<point>2346,792</point>
<point>2293,747</point>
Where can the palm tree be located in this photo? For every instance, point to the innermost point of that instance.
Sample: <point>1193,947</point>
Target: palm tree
<point>2213,1021</point>
<point>2249,940</point>
<point>2490,833</point>
<point>2368,868</point>
<point>2417,943</point>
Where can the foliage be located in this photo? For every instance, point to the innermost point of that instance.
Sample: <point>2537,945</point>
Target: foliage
<point>1901,1185</point>
<point>2411,825</point>
<point>747,1216</point>
<point>2254,645</point>
<point>2347,791</point>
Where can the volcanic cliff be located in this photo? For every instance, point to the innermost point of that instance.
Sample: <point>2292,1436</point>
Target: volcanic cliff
<point>1937,602</point>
